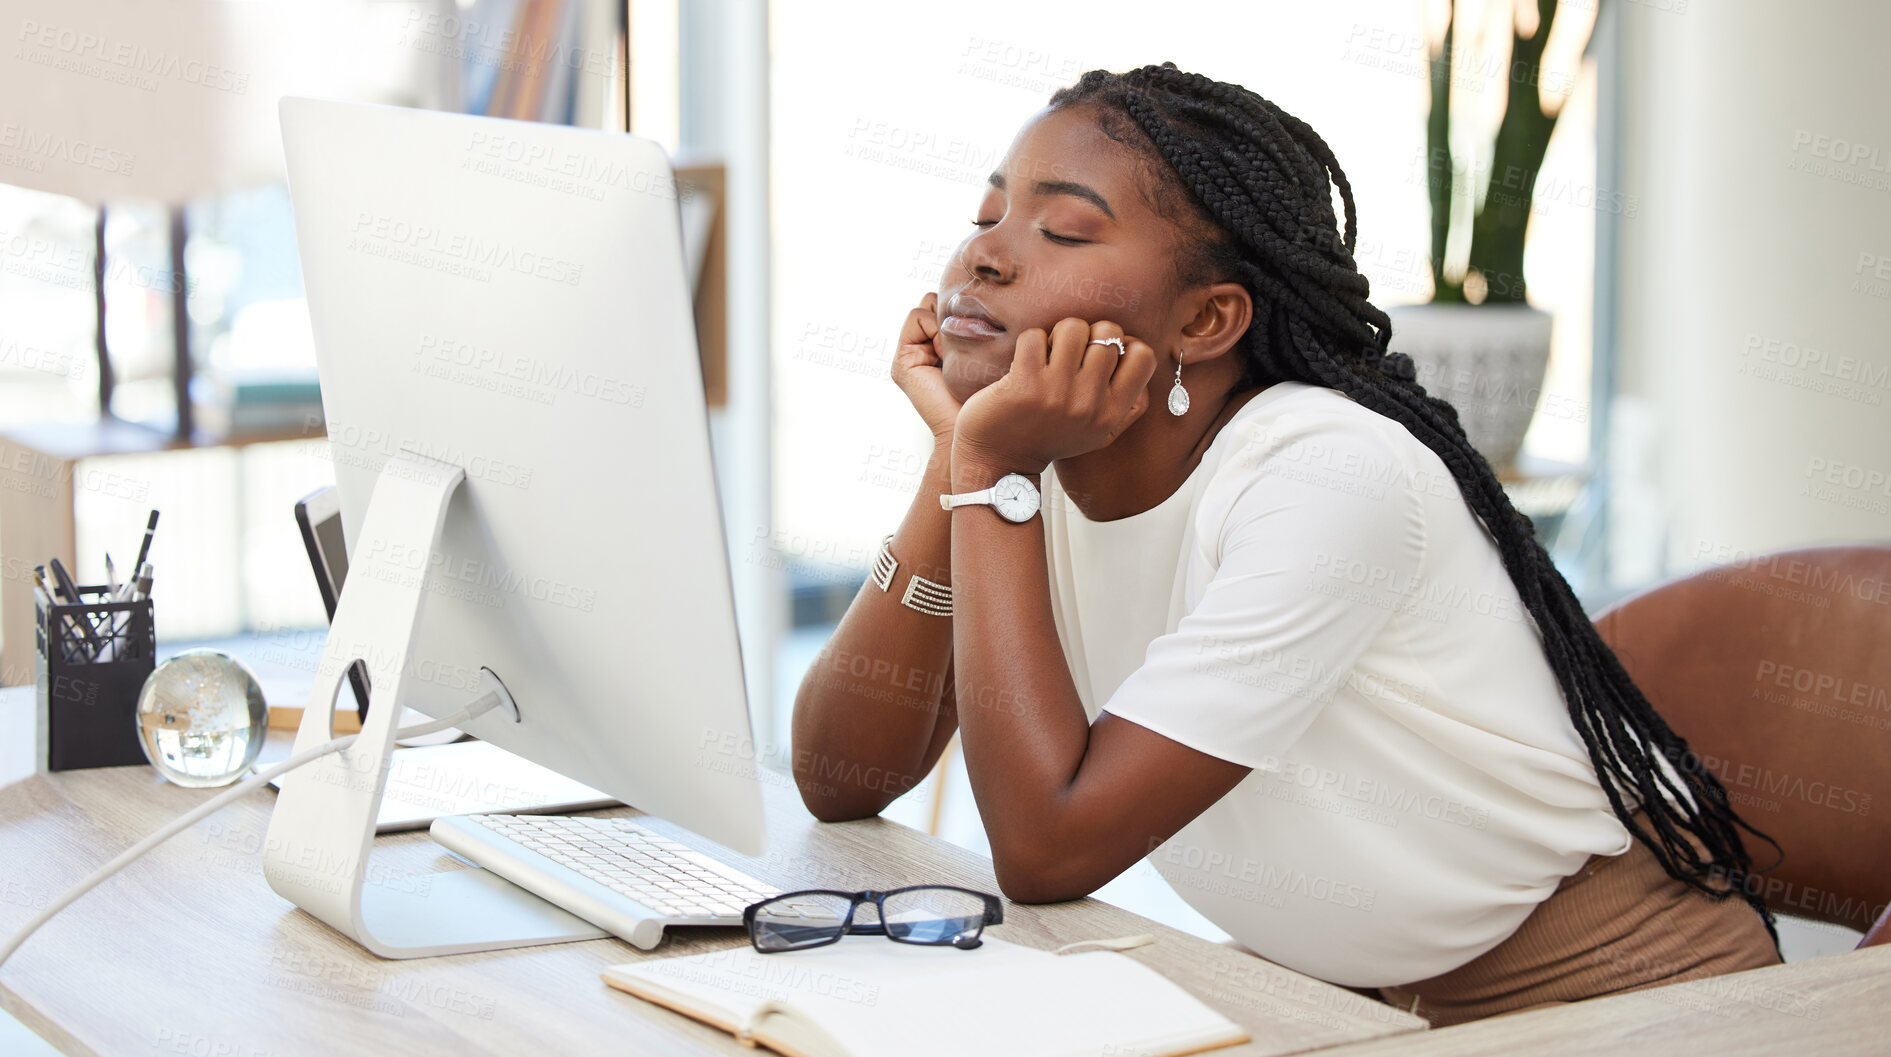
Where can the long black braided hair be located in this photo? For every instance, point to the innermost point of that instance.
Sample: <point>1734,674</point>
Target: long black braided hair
<point>1250,188</point>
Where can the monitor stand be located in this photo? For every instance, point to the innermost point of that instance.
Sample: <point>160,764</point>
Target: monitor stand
<point>322,830</point>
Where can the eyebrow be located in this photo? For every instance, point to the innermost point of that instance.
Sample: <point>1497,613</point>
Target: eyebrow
<point>1061,187</point>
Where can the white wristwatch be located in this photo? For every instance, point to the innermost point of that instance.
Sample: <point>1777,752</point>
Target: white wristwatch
<point>1014,497</point>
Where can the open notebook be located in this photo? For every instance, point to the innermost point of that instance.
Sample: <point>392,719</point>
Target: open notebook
<point>868,997</point>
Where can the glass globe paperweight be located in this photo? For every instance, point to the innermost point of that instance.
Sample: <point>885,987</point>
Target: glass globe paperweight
<point>201,719</point>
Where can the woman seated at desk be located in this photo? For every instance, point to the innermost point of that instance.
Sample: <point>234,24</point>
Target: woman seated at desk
<point>1278,628</point>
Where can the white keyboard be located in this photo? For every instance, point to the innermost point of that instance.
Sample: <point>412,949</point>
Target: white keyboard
<point>620,876</point>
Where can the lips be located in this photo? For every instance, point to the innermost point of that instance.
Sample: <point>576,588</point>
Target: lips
<point>967,317</point>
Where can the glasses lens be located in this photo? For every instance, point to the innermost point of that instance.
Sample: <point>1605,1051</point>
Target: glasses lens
<point>795,921</point>
<point>934,915</point>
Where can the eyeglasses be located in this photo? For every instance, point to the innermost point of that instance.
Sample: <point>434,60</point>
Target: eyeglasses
<point>932,915</point>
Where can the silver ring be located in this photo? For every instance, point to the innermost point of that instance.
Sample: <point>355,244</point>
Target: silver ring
<point>1118,342</point>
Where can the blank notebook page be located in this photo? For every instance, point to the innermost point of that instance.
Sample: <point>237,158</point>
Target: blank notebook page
<point>869,997</point>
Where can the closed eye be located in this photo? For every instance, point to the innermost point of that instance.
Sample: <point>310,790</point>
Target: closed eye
<point>1063,240</point>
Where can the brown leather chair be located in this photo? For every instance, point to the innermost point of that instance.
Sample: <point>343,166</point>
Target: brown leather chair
<point>1777,671</point>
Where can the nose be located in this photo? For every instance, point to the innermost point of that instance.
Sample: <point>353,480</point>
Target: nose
<point>983,257</point>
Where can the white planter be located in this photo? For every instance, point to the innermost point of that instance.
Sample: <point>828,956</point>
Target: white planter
<point>1487,360</point>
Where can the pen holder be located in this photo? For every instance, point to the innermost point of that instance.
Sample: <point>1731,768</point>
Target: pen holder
<point>93,660</point>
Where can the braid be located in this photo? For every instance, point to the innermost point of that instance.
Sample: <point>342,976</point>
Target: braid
<point>1252,186</point>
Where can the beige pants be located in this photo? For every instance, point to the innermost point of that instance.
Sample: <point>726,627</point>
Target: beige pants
<point>1618,924</point>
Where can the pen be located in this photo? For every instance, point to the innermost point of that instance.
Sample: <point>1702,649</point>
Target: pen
<point>144,548</point>
<point>135,589</point>
<point>111,585</point>
<point>67,589</point>
<point>71,590</point>
<point>41,584</point>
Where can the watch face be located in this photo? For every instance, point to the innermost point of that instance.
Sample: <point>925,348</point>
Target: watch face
<point>1015,498</point>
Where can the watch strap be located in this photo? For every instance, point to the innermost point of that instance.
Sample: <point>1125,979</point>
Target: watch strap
<point>983,495</point>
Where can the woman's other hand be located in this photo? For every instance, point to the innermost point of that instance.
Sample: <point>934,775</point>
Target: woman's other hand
<point>1064,395</point>
<point>916,370</point>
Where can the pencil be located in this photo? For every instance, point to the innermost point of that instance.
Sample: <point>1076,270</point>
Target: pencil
<point>144,548</point>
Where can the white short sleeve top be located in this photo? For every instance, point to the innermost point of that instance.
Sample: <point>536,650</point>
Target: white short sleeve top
<point>1318,603</point>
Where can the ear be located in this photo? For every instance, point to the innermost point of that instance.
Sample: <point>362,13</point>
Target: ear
<point>1223,315</point>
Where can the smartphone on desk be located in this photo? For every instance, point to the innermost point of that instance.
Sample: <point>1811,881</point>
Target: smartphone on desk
<point>318,515</point>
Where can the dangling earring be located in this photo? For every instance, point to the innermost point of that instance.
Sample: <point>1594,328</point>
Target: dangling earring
<point>1178,396</point>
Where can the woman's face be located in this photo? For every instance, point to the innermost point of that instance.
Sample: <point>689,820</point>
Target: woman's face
<point>1064,229</point>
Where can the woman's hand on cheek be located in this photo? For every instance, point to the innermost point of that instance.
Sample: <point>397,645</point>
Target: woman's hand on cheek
<point>1065,395</point>
<point>916,369</point>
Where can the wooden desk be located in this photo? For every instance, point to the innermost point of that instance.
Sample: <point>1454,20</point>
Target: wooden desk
<point>188,951</point>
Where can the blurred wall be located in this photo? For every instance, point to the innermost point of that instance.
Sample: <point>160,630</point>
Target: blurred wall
<point>1754,282</point>
<point>108,100</point>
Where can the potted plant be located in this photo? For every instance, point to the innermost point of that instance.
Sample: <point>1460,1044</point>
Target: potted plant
<point>1479,343</point>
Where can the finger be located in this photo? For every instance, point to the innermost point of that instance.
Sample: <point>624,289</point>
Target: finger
<point>907,357</point>
<point>1100,361</point>
<point>1067,344</point>
<point>1031,354</point>
<point>1136,409</point>
<point>1133,370</point>
<point>920,328</point>
<point>911,358</point>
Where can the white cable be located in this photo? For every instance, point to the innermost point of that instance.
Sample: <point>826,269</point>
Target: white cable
<point>192,817</point>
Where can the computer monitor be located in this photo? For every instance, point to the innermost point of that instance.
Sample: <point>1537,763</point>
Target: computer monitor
<point>514,408</point>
